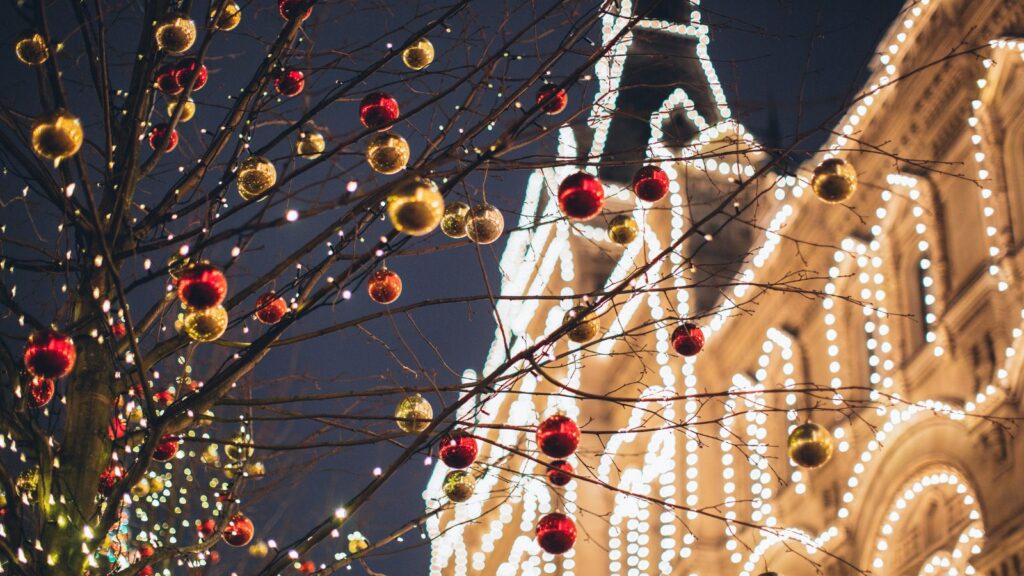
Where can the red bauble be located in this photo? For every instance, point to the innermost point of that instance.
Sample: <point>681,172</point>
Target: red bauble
<point>146,550</point>
<point>49,354</point>
<point>40,392</point>
<point>206,528</point>
<point>166,449</point>
<point>688,339</point>
<point>291,9</point>
<point>290,82</point>
<point>202,286</point>
<point>378,110</point>
<point>117,428</point>
<point>560,472</point>
<point>158,132</point>
<point>650,184</point>
<point>186,69</point>
<point>110,477</point>
<point>164,398</point>
<point>307,567</point>
<point>239,530</point>
<point>270,308</point>
<point>384,286</point>
<point>558,436</point>
<point>556,533</point>
<point>118,329</point>
<point>552,99</point>
<point>146,571</point>
<point>581,196</point>
<point>167,80</point>
<point>458,450</point>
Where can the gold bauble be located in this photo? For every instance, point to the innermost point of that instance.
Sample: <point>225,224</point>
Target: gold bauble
<point>310,144</point>
<point>210,455</point>
<point>835,180</point>
<point>413,414</point>
<point>484,224</point>
<point>3,500</point>
<point>416,207</point>
<point>419,54</point>
<point>31,49</point>
<point>188,109</point>
<point>57,136</point>
<point>387,153</point>
<point>623,229</point>
<point>259,549</point>
<point>810,445</point>
<point>27,483</point>
<point>175,33</point>
<point>459,485</point>
<point>156,484</point>
<point>587,328</point>
<point>239,448</point>
<point>205,325</point>
<point>255,469</point>
<point>229,19</point>
<point>453,223</point>
<point>357,543</point>
<point>141,489</point>
<point>256,175</point>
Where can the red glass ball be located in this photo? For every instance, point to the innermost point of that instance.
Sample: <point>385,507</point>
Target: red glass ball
<point>558,436</point>
<point>581,196</point>
<point>117,428</point>
<point>291,9</point>
<point>290,82</point>
<point>378,110</point>
<point>202,286</point>
<point>158,132</point>
<point>552,99</point>
<point>186,69</point>
<point>239,530</point>
<point>40,392</point>
<point>556,533</point>
<point>49,354</point>
<point>650,183</point>
<point>560,472</point>
<point>118,329</point>
<point>109,478</point>
<point>206,528</point>
<point>164,398</point>
<point>307,567</point>
<point>458,450</point>
<point>688,339</point>
<point>384,286</point>
<point>147,550</point>
<point>146,571</point>
<point>166,449</point>
<point>167,80</point>
<point>270,308</point>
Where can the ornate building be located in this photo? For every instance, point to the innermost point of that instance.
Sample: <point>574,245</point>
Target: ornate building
<point>924,481</point>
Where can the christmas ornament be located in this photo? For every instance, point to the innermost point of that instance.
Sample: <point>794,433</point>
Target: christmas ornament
<point>290,82</point>
<point>552,99</point>
<point>27,483</point>
<point>239,530</point>
<point>586,328</point>
<point>378,110</point>
<point>292,9</point>
<point>31,49</point>
<point>484,223</point>
<point>49,354</point>
<point>834,181</point>
<point>416,206</point>
<point>357,543</point>
<point>385,286</point>
<point>117,428</point>
<point>141,489</point>
<point>57,136</point>
<point>157,483</point>
<point>202,285</point>
<point>205,325</point>
<point>688,339</point>
<point>255,469</point>
<point>307,567</point>
<point>109,478</point>
<point>810,445</point>
<point>560,472</point>
<point>558,436</point>
<point>623,229</point>
<point>188,109</point>
<point>453,223</point>
<point>166,449</point>
<point>229,18</point>
<point>163,398</point>
<point>310,144</point>
<point>175,33</point>
<point>270,308</point>
<point>419,54</point>
<point>259,549</point>
<point>210,456</point>
<point>118,329</point>
<point>255,176</point>
<point>186,69</point>
<point>556,533</point>
<point>40,392</point>
<point>650,183</point>
<point>167,80</point>
<point>581,196</point>
<point>158,132</point>
<point>239,448</point>
<point>459,485</point>
<point>458,450</point>
<point>206,528</point>
<point>387,153</point>
<point>414,414</point>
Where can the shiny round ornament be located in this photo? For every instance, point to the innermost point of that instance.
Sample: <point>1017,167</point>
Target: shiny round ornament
<point>49,354</point>
<point>387,153</point>
<point>414,414</point>
<point>585,329</point>
<point>158,132</point>
<point>292,9</point>
<point>109,478</point>
<point>57,136</point>
<point>688,339</point>
<point>167,80</point>
<point>205,325</point>
<point>357,543</point>
<point>385,286</point>
<point>202,285</point>
<point>229,18</point>
<point>484,224</point>
<point>188,68</point>
<point>157,484</point>
<point>27,483</point>
<point>453,223</point>
<point>458,450</point>
<point>255,176</point>
<point>834,181</point>
<point>166,449</point>
<point>239,448</point>
<point>40,392</point>
<point>188,109</point>
<point>175,34</point>
<point>259,549</point>
<point>206,528</point>
<point>141,489</point>
<point>558,436</point>
<point>581,196</point>
<point>560,473</point>
<point>210,455</point>
<point>810,445</point>
<point>290,83</point>
<point>552,99</point>
<point>270,308</point>
<point>650,183</point>
<point>416,207</point>
<point>459,485</point>
<point>31,49</point>
<point>419,54</point>
<point>310,144</point>
<point>556,533</point>
<point>378,110</point>
<point>239,530</point>
<point>623,229</point>
<point>255,469</point>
